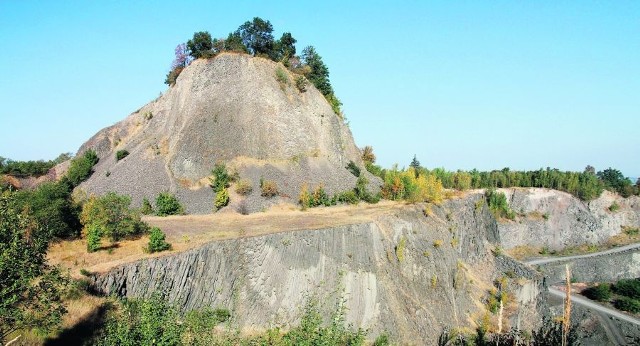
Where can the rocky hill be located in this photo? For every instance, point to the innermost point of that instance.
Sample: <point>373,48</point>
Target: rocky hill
<point>234,108</point>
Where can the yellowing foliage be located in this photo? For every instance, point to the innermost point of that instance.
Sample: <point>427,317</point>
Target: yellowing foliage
<point>412,186</point>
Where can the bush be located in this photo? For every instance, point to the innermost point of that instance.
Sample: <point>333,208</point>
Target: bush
<point>348,197</point>
<point>400,249</point>
<point>81,168</point>
<point>157,241</point>
<point>353,168</point>
<point>222,199</point>
<point>110,216</point>
<point>497,202</point>
<point>301,83</point>
<point>221,178</point>
<point>628,287</point>
<point>93,238</point>
<point>269,188</point>
<point>168,204</point>
<point>602,292</point>
<point>244,187</point>
<point>627,304</point>
<point>281,76</point>
<point>121,154</point>
<point>147,208</point>
<point>614,207</point>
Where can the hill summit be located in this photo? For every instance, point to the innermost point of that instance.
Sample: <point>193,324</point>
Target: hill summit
<point>237,109</point>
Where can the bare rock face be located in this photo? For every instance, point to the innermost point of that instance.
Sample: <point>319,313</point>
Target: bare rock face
<point>231,109</point>
<point>557,219</point>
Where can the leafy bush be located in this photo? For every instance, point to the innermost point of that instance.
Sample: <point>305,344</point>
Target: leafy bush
<point>269,188</point>
<point>244,187</point>
<point>627,304</point>
<point>628,287</point>
<point>221,177</point>
<point>400,249</point>
<point>374,169</point>
<point>168,204</point>
<point>81,168</point>
<point>110,216</point>
<point>147,208</point>
<point>222,199</point>
<point>497,202</point>
<point>411,186</point>
<point>353,168</point>
<point>348,197</point>
<point>614,207</point>
<point>30,289</point>
<point>157,241</point>
<point>631,231</point>
<point>121,154</point>
<point>601,292</point>
<point>281,76</point>
<point>94,237</point>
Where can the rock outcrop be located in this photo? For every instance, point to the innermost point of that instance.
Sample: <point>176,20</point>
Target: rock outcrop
<point>234,109</point>
<point>557,220</point>
<point>405,273</point>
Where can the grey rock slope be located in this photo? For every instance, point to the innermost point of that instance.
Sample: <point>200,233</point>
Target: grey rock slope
<point>389,272</point>
<point>557,219</point>
<point>232,109</point>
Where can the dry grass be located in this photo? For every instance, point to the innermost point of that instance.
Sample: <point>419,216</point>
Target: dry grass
<point>190,231</point>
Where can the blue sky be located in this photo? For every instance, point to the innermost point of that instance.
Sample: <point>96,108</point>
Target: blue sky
<point>464,84</point>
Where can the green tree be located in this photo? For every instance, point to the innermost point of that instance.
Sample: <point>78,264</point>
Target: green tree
<point>168,204</point>
<point>222,198</point>
<point>257,36</point>
<point>233,43</point>
<point>80,169</point>
<point>415,163</point>
<point>201,45</point>
<point>318,72</point>
<point>112,217</point>
<point>614,180</point>
<point>221,178</point>
<point>52,208</point>
<point>157,241</point>
<point>284,49</point>
<point>30,290</point>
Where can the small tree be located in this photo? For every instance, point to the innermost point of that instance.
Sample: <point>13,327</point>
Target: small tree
<point>220,178</point>
<point>367,155</point>
<point>147,208</point>
<point>415,164</point>
<point>110,216</point>
<point>157,241</point>
<point>168,204</point>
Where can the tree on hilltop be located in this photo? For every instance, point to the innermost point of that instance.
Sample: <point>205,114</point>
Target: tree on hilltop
<point>319,73</point>
<point>257,36</point>
<point>201,45</point>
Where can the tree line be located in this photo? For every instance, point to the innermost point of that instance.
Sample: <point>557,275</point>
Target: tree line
<point>32,168</point>
<point>255,37</point>
<point>586,185</point>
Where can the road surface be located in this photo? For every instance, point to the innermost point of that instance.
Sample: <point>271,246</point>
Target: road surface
<point>595,306</point>
<point>595,254</point>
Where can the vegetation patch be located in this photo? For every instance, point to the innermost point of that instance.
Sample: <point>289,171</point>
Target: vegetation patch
<point>268,188</point>
<point>121,154</point>
<point>168,204</point>
<point>157,241</point>
<point>498,205</point>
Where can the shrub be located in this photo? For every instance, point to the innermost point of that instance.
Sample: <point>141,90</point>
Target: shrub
<point>614,207</point>
<point>305,197</point>
<point>281,76</point>
<point>627,304</point>
<point>81,168</point>
<point>244,187</point>
<point>157,241</point>
<point>301,83</point>
<point>628,287</point>
<point>222,199</point>
<point>112,215</point>
<point>269,188</point>
<point>121,154</point>
<point>353,168</point>
<point>147,208</point>
<point>93,238</point>
<point>168,204</point>
<point>221,178</point>
<point>400,249</point>
<point>374,169</point>
<point>601,292</point>
<point>497,202</point>
<point>631,231</point>
<point>348,197</point>
<point>437,243</point>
